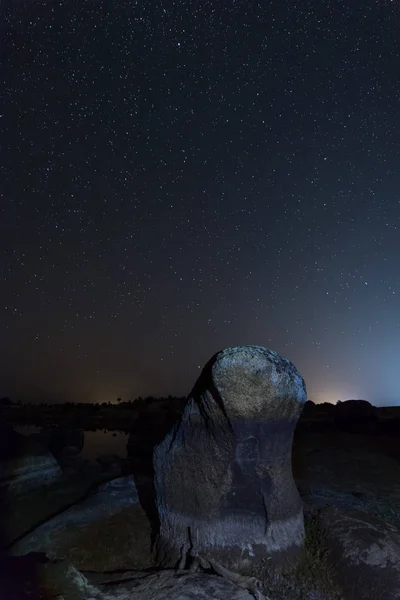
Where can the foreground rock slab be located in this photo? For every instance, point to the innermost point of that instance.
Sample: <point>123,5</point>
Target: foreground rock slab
<point>23,513</point>
<point>223,474</point>
<point>366,554</point>
<point>64,578</point>
<point>348,471</point>
<point>57,438</point>
<point>107,530</point>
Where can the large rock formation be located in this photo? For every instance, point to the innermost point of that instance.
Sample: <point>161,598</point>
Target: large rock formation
<point>223,474</point>
<point>357,416</point>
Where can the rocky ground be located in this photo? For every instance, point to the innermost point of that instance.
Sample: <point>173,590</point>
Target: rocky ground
<point>84,534</point>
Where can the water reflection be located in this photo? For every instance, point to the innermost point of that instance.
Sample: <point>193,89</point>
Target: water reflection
<point>103,441</point>
<point>97,443</point>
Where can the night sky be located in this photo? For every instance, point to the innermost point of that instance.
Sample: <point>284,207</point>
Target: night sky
<point>183,176</point>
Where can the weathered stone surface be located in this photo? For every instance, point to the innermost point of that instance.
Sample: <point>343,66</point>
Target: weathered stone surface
<point>63,578</point>
<point>365,553</point>
<point>223,475</point>
<point>107,530</point>
<point>24,512</point>
<point>25,472</point>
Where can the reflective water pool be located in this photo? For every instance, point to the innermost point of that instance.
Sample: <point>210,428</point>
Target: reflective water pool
<point>96,443</point>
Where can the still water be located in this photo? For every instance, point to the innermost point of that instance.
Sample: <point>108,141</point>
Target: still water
<point>96,443</point>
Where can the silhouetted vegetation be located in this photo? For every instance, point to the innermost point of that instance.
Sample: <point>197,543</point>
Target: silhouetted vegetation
<point>118,415</point>
<point>357,416</point>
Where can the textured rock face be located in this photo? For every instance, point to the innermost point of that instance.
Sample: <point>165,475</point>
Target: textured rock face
<point>26,472</point>
<point>105,531</point>
<point>63,580</point>
<point>365,553</point>
<point>223,475</point>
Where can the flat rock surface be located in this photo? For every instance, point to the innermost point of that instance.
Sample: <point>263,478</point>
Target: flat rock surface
<point>25,472</point>
<point>347,470</point>
<point>25,512</point>
<point>366,554</point>
<point>356,483</point>
<point>164,585</point>
<point>106,530</point>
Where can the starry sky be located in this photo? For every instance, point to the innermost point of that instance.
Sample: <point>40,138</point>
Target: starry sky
<point>183,176</point>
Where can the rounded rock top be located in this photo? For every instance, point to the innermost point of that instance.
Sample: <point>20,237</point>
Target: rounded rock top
<point>254,381</point>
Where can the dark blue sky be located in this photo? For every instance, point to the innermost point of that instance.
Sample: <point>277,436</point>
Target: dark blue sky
<point>182,176</point>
